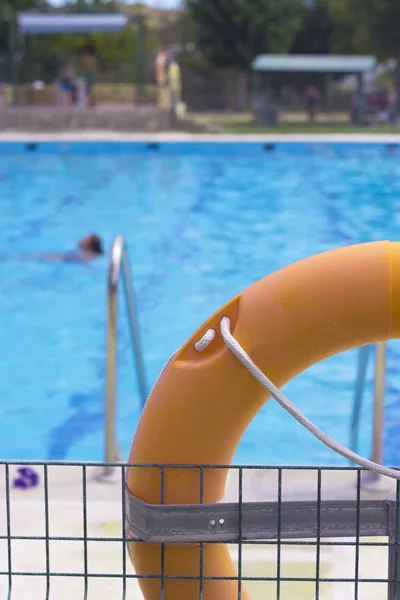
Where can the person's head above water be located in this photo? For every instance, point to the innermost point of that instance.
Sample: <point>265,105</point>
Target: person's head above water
<point>91,244</point>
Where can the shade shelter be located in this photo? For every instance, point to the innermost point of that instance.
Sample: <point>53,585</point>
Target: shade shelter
<point>317,63</point>
<point>37,23</point>
<point>81,23</point>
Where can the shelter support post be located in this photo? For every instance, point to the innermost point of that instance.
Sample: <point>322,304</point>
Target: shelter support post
<point>328,92</point>
<point>13,59</point>
<point>361,100</point>
<point>140,61</point>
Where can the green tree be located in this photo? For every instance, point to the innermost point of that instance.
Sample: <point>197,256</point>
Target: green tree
<point>313,37</point>
<point>315,33</point>
<point>8,10</point>
<point>370,26</point>
<point>231,33</point>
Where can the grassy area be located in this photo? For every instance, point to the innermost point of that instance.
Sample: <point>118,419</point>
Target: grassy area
<point>288,128</point>
<point>290,123</point>
<point>322,129</point>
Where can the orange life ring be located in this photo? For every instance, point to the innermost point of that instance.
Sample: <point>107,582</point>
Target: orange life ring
<point>203,402</point>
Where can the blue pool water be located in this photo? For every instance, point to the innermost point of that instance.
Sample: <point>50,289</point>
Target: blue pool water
<point>202,223</point>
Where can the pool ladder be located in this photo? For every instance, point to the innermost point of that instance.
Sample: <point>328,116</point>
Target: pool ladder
<point>119,265</point>
<point>370,480</point>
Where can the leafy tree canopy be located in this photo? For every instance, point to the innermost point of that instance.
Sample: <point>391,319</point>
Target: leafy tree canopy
<point>231,33</point>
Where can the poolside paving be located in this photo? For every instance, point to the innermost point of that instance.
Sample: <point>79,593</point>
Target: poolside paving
<point>176,136</point>
<point>104,520</point>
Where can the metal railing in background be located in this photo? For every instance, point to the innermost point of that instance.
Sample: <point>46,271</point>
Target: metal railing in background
<point>370,479</point>
<point>119,262</point>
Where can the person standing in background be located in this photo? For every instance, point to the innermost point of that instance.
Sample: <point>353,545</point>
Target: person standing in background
<point>90,69</point>
<point>175,82</point>
<point>313,101</point>
<point>161,76</point>
<point>67,83</point>
<point>161,68</point>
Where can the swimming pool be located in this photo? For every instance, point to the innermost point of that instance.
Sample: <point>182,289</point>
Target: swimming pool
<point>202,222</point>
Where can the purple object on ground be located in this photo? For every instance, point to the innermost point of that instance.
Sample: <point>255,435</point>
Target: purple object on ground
<point>27,479</point>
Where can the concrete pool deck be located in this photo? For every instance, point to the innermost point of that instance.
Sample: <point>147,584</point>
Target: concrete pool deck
<point>115,136</point>
<point>104,520</point>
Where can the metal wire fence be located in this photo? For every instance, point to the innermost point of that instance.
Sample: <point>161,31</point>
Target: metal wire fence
<point>292,532</point>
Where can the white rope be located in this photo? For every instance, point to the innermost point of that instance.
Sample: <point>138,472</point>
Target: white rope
<point>206,340</point>
<point>280,397</point>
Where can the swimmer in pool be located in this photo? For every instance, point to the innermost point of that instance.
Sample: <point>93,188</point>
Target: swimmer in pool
<point>90,247</point>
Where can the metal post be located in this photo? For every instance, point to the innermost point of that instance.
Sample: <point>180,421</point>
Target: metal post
<point>393,554</point>
<point>375,481</point>
<point>118,257</point>
<point>328,92</point>
<point>380,367</point>
<point>361,100</point>
<point>140,57</point>
<point>111,450</point>
<point>111,375</point>
<point>134,328</point>
<point>13,50</point>
<point>361,376</point>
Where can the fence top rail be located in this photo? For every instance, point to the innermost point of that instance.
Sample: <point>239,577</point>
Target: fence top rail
<point>240,467</point>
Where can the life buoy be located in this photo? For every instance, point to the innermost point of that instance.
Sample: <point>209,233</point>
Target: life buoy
<point>203,401</point>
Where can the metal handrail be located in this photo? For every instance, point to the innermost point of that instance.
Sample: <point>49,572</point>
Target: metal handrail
<point>360,386</point>
<point>379,407</point>
<point>379,404</point>
<point>119,261</point>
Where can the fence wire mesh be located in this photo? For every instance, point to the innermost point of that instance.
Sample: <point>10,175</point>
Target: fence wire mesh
<point>292,532</point>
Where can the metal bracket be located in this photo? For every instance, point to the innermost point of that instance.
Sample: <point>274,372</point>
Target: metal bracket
<point>231,522</point>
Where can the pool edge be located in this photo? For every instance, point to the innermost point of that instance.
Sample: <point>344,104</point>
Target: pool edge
<point>173,137</point>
